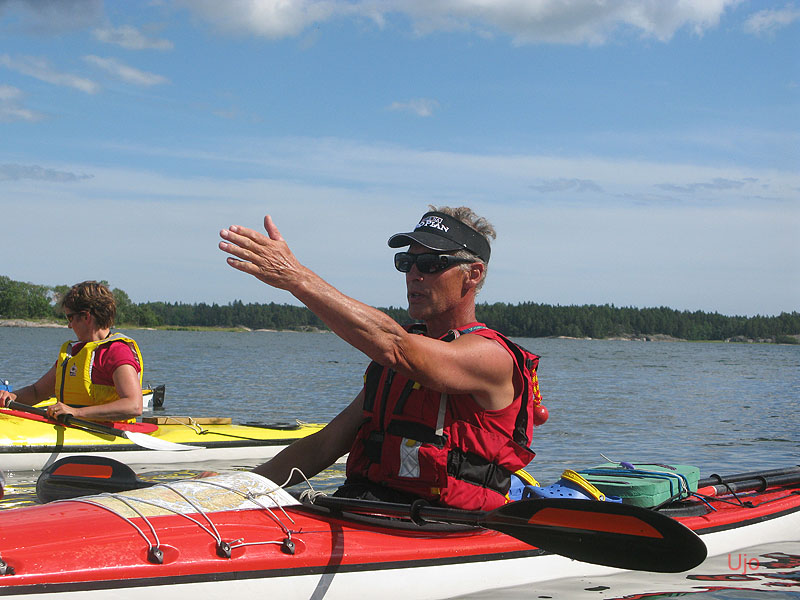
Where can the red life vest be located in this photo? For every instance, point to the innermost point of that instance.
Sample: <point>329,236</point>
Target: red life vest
<point>445,448</point>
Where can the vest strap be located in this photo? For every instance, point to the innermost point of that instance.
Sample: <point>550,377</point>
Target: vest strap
<point>478,471</point>
<point>415,431</point>
<point>440,417</point>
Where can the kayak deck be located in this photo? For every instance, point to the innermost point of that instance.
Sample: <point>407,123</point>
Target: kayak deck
<point>27,444</point>
<point>50,549</point>
<point>61,559</point>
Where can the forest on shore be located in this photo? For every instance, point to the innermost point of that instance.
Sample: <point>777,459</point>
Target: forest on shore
<point>27,301</point>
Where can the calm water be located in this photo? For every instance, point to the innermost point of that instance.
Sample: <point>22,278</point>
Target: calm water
<point>726,408</point>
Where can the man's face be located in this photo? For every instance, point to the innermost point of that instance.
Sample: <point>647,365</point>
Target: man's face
<point>433,294</point>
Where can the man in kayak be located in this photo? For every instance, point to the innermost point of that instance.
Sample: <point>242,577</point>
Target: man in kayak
<point>99,377</point>
<point>445,413</point>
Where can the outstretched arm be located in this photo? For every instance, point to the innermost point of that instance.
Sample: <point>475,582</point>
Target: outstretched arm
<point>270,260</point>
<point>470,365</point>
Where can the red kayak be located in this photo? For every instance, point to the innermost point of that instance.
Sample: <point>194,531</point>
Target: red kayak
<point>226,536</point>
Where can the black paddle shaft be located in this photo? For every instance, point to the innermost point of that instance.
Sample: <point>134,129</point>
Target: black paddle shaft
<point>68,420</point>
<point>723,479</point>
<point>604,533</point>
<point>756,484</point>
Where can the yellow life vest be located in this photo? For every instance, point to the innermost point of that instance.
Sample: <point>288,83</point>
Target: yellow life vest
<point>74,373</point>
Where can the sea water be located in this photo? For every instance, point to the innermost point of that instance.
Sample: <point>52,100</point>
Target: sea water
<point>726,408</point>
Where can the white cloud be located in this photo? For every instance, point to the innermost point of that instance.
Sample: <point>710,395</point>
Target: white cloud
<point>125,72</point>
<point>767,22</point>
<point>269,18</point>
<point>717,184</point>
<point>130,38</point>
<point>422,107</point>
<point>9,93</point>
<point>10,109</point>
<point>566,185</point>
<point>53,16</point>
<point>576,22</point>
<point>443,177</point>
<point>685,254</point>
<point>526,21</point>
<point>12,172</point>
<point>12,112</point>
<point>40,68</point>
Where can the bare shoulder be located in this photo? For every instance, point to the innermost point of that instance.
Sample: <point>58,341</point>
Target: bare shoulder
<point>487,370</point>
<point>478,343</point>
<point>486,356</point>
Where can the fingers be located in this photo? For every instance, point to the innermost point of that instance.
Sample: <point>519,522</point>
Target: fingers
<point>241,236</point>
<point>245,243</point>
<point>245,237</point>
<point>58,409</point>
<point>272,229</point>
<point>234,244</point>
<point>269,259</point>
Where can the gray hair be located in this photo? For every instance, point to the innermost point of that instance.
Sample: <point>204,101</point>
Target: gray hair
<point>467,216</point>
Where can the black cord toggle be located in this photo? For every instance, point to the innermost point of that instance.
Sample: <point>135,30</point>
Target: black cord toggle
<point>155,555</point>
<point>223,549</point>
<point>287,547</point>
<point>5,568</point>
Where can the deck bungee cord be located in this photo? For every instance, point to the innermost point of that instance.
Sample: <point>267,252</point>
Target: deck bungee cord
<point>716,486</point>
<point>224,548</point>
<point>193,424</point>
<point>223,537</point>
<point>624,536</point>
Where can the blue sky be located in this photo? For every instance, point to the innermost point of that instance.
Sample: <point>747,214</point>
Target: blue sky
<point>640,153</point>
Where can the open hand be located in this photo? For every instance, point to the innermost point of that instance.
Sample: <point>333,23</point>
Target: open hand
<point>266,258</point>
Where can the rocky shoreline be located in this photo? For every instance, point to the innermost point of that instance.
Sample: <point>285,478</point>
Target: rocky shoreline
<point>629,337</point>
<point>661,337</point>
<point>24,323</point>
<point>56,325</point>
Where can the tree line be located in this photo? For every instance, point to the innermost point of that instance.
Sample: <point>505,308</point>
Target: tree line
<point>19,300</point>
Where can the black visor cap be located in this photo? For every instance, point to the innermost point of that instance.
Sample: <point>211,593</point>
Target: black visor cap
<point>441,232</point>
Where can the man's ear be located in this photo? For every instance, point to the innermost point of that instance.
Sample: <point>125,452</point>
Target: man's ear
<point>476,273</point>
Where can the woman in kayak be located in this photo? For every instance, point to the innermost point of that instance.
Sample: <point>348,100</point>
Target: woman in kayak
<point>446,411</point>
<point>97,377</point>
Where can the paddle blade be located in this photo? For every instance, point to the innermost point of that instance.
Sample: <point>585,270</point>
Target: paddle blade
<point>154,443</point>
<point>603,533</point>
<point>75,476</point>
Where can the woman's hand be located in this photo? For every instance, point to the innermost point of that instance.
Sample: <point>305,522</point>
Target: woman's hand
<point>59,409</point>
<point>5,396</point>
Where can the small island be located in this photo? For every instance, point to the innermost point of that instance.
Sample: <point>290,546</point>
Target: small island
<point>28,304</point>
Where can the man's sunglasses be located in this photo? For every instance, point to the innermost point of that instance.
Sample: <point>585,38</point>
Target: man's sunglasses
<point>71,316</point>
<point>428,263</point>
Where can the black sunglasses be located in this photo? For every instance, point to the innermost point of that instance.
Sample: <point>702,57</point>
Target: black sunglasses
<point>72,315</point>
<point>428,263</point>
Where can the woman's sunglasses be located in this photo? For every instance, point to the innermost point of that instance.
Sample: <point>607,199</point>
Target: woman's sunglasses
<point>428,263</point>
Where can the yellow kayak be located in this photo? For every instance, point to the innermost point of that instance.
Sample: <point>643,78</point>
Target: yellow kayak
<point>29,442</point>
